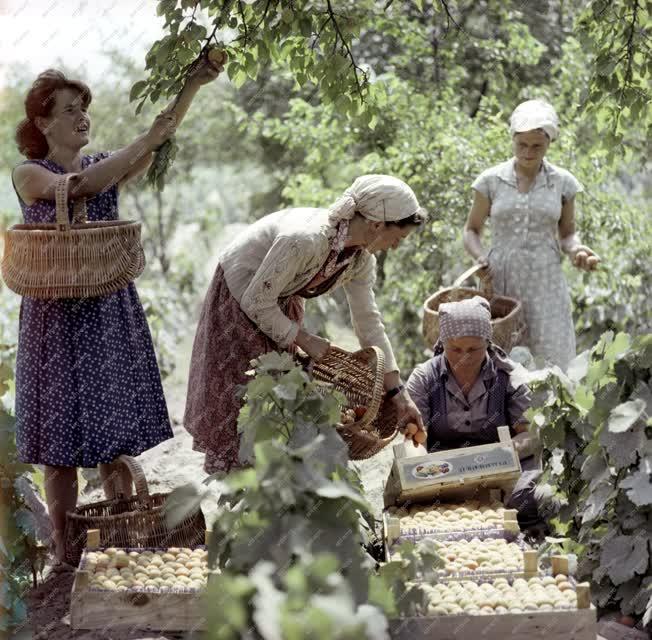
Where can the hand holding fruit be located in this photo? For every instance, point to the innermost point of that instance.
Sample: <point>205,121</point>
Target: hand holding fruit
<point>584,258</point>
<point>209,67</point>
<point>406,410</point>
<point>416,434</point>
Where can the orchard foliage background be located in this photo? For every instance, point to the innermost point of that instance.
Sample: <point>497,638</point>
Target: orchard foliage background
<point>320,91</point>
<point>422,90</point>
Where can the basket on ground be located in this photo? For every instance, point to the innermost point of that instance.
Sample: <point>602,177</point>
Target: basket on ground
<point>359,376</point>
<point>506,313</point>
<point>138,521</point>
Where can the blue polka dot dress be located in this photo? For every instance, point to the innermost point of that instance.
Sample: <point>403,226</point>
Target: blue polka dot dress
<point>88,388</point>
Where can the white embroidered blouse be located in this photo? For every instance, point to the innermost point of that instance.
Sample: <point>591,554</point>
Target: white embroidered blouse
<point>279,255</point>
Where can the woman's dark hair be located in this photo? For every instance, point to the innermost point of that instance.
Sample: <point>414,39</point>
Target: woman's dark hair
<point>415,220</point>
<point>39,102</point>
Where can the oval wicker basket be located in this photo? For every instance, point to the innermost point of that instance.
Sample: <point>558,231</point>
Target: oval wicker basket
<point>138,521</point>
<point>506,313</point>
<point>359,376</point>
<point>63,260</point>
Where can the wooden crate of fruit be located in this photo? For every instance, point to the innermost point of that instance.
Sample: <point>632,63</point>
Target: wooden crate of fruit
<point>148,589</point>
<point>470,559</point>
<point>454,474</point>
<point>538,608</point>
<point>439,519</point>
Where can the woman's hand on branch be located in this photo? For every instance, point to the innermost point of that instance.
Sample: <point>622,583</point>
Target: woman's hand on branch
<point>164,126</point>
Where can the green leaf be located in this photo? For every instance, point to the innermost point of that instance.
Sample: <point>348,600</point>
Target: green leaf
<point>625,415</point>
<point>182,503</point>
<point>623,557</point>
<point>579,366</point>
<point>334,490</point>
<point>137,89</point>
<point>638,485</point>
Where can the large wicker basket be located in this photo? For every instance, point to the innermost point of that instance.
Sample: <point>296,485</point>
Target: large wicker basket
<point>359,376</point>
<point>506,313</point>
<point>130,522</point>
<point>76,260</point>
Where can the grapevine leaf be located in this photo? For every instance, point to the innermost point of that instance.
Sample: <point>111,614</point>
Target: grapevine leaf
<point>579,366</point>
<point>623,557</point>
<point>183,502</point>
<point>639,485</point>
<point>596,502</point>
<point>625,415</point>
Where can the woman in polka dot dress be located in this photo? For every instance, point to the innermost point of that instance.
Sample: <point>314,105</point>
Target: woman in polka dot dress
<point>531,205</point>
<point>88,388</point>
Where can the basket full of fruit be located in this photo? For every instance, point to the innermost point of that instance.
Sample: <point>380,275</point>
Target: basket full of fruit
<point>368,421</point>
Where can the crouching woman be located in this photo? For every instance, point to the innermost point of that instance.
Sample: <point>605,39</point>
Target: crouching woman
<point>465,392</point>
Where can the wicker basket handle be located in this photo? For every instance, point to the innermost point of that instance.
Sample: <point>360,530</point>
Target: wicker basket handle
<point>61,201</point>
<point>484,276</point>
<point>138,477</point>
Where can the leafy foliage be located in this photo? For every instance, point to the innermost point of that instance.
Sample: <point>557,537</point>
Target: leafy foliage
<point>596,431</point>
<point>18,544</point>
<point>619,91</point>
<point>290,531</point>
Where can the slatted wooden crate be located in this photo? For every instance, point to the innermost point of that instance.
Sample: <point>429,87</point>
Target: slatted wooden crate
<point>573,624</point>
<point>144,609</point>
<point>578,624</point>
<point>456,474</point>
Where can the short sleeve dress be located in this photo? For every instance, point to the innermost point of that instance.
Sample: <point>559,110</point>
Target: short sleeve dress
<point>88,387</point>
<point>525,256</point>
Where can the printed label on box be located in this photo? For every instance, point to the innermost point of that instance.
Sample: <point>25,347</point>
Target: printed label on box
<point>497,460</point>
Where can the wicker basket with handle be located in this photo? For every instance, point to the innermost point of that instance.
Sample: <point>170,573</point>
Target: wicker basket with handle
<point>78,260</point>
<point>506,313</point>
<point>138,521</point>
<point>359,376</point>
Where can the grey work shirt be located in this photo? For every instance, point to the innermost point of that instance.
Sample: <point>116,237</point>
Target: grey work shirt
<point>469,414</point>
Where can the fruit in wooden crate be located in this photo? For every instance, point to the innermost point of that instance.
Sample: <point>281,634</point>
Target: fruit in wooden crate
<point>450,517</point>
<point>499,597</point>
<point>483,556</point>
<point>174,568</point>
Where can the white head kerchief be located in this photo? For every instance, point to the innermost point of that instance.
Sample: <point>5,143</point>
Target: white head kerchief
<point>534,114</point>
<point>377,197</point>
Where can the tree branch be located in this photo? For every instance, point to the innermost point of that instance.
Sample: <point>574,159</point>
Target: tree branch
<point>244,22</point>
<point>349,53</point>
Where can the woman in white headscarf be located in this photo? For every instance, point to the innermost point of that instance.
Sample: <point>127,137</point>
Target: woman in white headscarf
<point>255,301</point>
<point>531,206</point>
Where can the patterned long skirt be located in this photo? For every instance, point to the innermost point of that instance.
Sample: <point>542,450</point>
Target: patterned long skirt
<point>225,343</point>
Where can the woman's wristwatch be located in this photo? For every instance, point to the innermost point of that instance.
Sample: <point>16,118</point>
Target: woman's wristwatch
<point>390,393</point>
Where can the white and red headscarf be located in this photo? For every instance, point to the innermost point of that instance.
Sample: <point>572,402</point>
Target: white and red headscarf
<point>377,197</point>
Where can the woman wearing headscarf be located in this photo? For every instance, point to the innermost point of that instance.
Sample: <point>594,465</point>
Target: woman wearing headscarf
<point>531,205</point>
<point>465,392</point>
<point>255,301</point>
